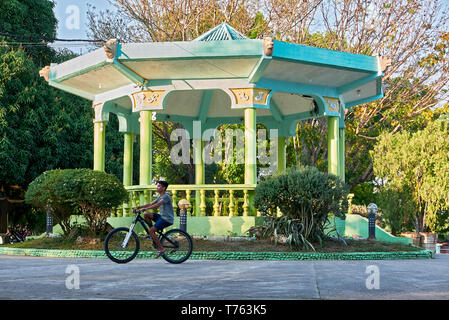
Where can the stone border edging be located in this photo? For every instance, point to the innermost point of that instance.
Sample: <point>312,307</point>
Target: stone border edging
<point>205,255</point>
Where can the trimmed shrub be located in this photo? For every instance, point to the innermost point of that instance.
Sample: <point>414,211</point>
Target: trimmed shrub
<point>43,194</point>
<point>306,197</point>
<point>95,193</point>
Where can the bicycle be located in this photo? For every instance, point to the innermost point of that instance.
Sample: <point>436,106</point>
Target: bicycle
<point>122,244</point>
<point>16,235</point>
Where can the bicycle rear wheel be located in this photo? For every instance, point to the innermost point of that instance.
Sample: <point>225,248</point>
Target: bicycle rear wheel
<point>113,245</point>
<point>178,246</point>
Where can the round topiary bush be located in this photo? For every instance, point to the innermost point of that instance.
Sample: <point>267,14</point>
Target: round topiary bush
<point>43,194</point>
<point>94,194</point>
<point>306,197</point>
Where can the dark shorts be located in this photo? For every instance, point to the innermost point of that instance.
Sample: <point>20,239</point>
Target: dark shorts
<point>160,223</point>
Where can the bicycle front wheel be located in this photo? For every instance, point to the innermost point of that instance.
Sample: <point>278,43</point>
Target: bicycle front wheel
<point>178,246</point>
<point>117,250</point>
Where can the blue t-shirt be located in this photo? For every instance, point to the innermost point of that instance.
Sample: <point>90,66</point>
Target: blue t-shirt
<point>166,209</point>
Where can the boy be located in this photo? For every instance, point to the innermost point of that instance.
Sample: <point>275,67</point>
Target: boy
<point>165,217</point>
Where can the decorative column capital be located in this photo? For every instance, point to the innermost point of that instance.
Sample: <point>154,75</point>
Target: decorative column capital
<point>99,115</point>
<point>249,97</point>
<point>148,100</point>
<point>332,106</point>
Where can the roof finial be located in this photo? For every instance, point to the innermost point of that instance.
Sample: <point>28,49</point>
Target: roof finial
<point>111,48</point>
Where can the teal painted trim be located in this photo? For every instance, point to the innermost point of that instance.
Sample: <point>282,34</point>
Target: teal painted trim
<point>325,57</point>
<point>129,123</point>
<point>79,71</point>
<point>208,255</point>
<point>110,106</point>
<point>259,70</point>
<point>300,116</point>
<point>191,49</point>
<point>357,83</point>
<point>275,111</point>
<point>77,92</point>
<point>342,124</point>
<point>298,88</point>
<point>221,32</point>
<point>128,73</point>
<point>362,101</point>
<point>205,105</point>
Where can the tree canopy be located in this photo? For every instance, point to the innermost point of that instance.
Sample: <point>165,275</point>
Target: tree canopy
<point>418,164</point>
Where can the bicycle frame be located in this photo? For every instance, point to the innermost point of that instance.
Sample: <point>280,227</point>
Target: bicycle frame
<point>144,224</point>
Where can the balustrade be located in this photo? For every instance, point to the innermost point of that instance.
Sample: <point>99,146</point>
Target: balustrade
<point>215,200</point>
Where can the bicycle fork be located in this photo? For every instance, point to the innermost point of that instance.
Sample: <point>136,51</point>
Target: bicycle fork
<point>128,235</point>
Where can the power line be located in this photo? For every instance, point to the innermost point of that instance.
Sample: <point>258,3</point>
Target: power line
<point>48,39</point>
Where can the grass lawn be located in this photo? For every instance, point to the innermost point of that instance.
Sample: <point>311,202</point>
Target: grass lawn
<point>230,246</point>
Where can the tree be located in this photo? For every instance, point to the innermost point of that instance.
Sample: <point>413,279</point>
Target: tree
<point>417,164</point>
<point>33,20</point>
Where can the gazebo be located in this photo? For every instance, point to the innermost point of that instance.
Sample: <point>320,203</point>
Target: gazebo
<point>221,77</point>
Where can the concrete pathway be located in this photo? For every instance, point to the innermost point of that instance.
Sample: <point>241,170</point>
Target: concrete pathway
<point>57,278</point>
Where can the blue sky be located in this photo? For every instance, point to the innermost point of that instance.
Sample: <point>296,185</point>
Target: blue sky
<point>72,21</point>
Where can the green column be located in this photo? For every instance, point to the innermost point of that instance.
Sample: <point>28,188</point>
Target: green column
<point>146,135</point>
<point>128,159</point>
<point>128,167</point>
<point>332,145</point>
<point>282,159</point>
<point>99,145</point>
<point>199,171</point>
<point>250,146</point>
<point>341,153</point>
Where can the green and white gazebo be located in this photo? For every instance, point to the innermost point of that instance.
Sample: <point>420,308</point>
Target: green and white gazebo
<point>222,77</point>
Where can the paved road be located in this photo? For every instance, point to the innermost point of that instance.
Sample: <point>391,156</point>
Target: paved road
<point>56,278</point>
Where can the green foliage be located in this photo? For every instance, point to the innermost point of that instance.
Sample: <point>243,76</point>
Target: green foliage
<point>43,194</point>
<point>395,208</point>
<point>95,193</point>
<point>305,197</point>
<point>65,192</point>
<point>41,128</point>
<point>363,193</point>
<point>30,18</point>
<point>418,164</point>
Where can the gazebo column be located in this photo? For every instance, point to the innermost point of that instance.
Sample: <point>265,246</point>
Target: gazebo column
<point>282,158</point>
<point>333,145</point>
<point>341,153</point>
<point>146,135</point>
<point>99,145</point>
<point>250,146</point>
<point>198,145</point>
<point>128,150</point>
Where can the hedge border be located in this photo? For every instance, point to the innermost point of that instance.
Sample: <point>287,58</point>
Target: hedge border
<point>199,255</point>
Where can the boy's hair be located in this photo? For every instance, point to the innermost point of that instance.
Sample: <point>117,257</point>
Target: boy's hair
<point>164,183</point>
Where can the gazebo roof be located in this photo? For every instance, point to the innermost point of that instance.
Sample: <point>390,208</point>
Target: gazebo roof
<point>196,79</point>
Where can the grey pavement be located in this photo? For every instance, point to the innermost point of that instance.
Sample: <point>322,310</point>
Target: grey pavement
<point>32,278</point>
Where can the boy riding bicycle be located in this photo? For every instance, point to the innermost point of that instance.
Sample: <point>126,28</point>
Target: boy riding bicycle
<point>165,217</point>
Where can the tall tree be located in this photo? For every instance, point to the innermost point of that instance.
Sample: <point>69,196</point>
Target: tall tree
<point>418,164</point>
